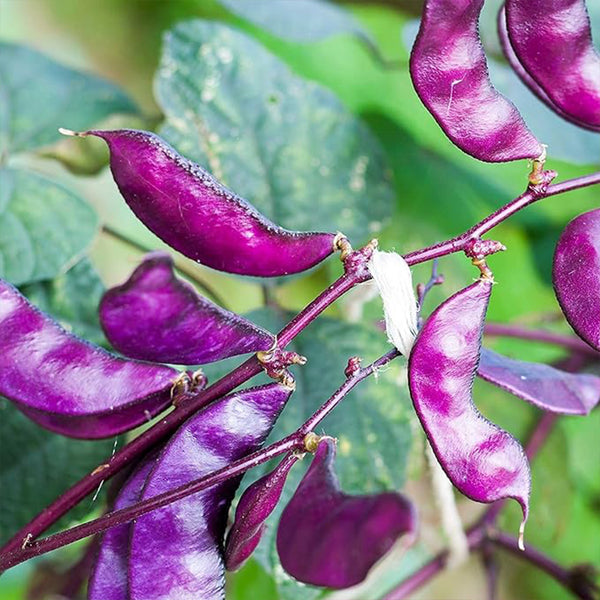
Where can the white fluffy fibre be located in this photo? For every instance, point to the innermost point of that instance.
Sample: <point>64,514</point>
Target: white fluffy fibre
<point>394,281</point>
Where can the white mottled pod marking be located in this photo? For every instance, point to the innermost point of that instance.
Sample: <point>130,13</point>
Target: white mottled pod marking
<point>394,281</point>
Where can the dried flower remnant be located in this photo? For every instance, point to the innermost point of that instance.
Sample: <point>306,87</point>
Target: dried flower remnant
<point>543,386</point>
<point>576,275</point>
<point>449,71</point>
<point>68,385</point>
<point>177,551</point>
<point>552,39</point>
<point>157,317</point>
<point>329,538</point>
<point>483,461</point>
<point>192,212</point>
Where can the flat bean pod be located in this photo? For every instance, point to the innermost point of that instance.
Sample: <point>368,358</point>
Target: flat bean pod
<point>576,275</point>
<point>525,77</point>
<point>483,461</point>
<point>108,580</point>
<point>192,212</point>
<point>553,41</point>
<point>157,317</point>
<point>177,551</point>
<point>68,385</point>
<point>253,509</point>
<point>543,386</point>
<point>329,538</point>
<point>449,71</point>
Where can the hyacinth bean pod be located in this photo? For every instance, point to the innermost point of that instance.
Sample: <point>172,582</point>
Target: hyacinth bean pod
<point>543,386</point>
<point>68,385</point>
<point>525,77</point>
<point>576,275</point>
<point>449,71</point>
<point>157,317</point>
<point>483,461</point>
<point>253,509</point>
<point>192,212</point>
<point>552,40</point>
<point>108,580</point>
<point>329,538</point>
<point>177,551</point>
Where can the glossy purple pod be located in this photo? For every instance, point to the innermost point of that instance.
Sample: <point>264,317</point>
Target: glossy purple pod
<point>483,461</point>
<point>157,317</point>
<point>108,580</point>
<point>253,509</point>
<point>177,551</point>
<point>329,538</point>
<point>449,71</point>
<point>576,275</point>
<point>525,77</point>
<point>68,385</point>
<point>543,386</point>
<point>552,39</point>
<point>192,212</point>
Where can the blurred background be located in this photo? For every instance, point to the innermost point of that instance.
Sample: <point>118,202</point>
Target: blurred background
<point>414,189</point>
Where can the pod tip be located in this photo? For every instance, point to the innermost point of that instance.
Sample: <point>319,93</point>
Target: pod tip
<point>521,542</point>
<point>70,132</point>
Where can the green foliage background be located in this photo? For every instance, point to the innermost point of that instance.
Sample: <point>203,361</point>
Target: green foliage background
<point>309,114</point>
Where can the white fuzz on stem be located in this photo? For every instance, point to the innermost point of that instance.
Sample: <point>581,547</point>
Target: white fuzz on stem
<point>458,545</point>
<point>394,282</point>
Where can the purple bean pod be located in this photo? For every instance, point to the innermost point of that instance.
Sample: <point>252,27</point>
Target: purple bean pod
<point>525,77</point>
<point>552,39</point>
<point>157,317</point>
<point>449,71</point>
<point>253,509</point>
<point>192,212</point>
<point>543,386</point>
<point>329,538</point>
<point>483,461</point>
<point>576,275</point>
<point>177,551</point>
<point>68,385</point>
<point>108,580</point>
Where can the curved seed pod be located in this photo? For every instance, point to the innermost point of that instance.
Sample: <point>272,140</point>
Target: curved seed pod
<point>547,388</point>
<point>192,212</point>
<point>576,275</point>
<point>525,77</point>
<point>108,580</point>
<point>552,40</point>
<point>255,506</point>
<point>449,71</point>
<point>157,317</point>
<point>176,551</point>
<point>328,538</point>
<point>68,385</point>
<point>483,461</point>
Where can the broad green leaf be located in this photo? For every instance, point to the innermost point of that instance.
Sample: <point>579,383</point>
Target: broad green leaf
<point>72,299</point>
<point>38,95</point>
<point>43,226</point>
<point>298,20</point>
<point>285,144</point>
<point>372,423</point>
<point>37,466</point>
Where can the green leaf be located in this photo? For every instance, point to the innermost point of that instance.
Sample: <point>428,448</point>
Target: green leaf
<point>297,20</point>
<point>287,145</point>
<point>72,299</point>
<point>372,423</point>
<point>43,226</point>
<point>37,466</point>
<point>38,95</point>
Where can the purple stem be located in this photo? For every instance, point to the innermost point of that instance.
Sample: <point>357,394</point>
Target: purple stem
<point>166,426</point>
<point>537,335</point>
<point>292,442</point>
